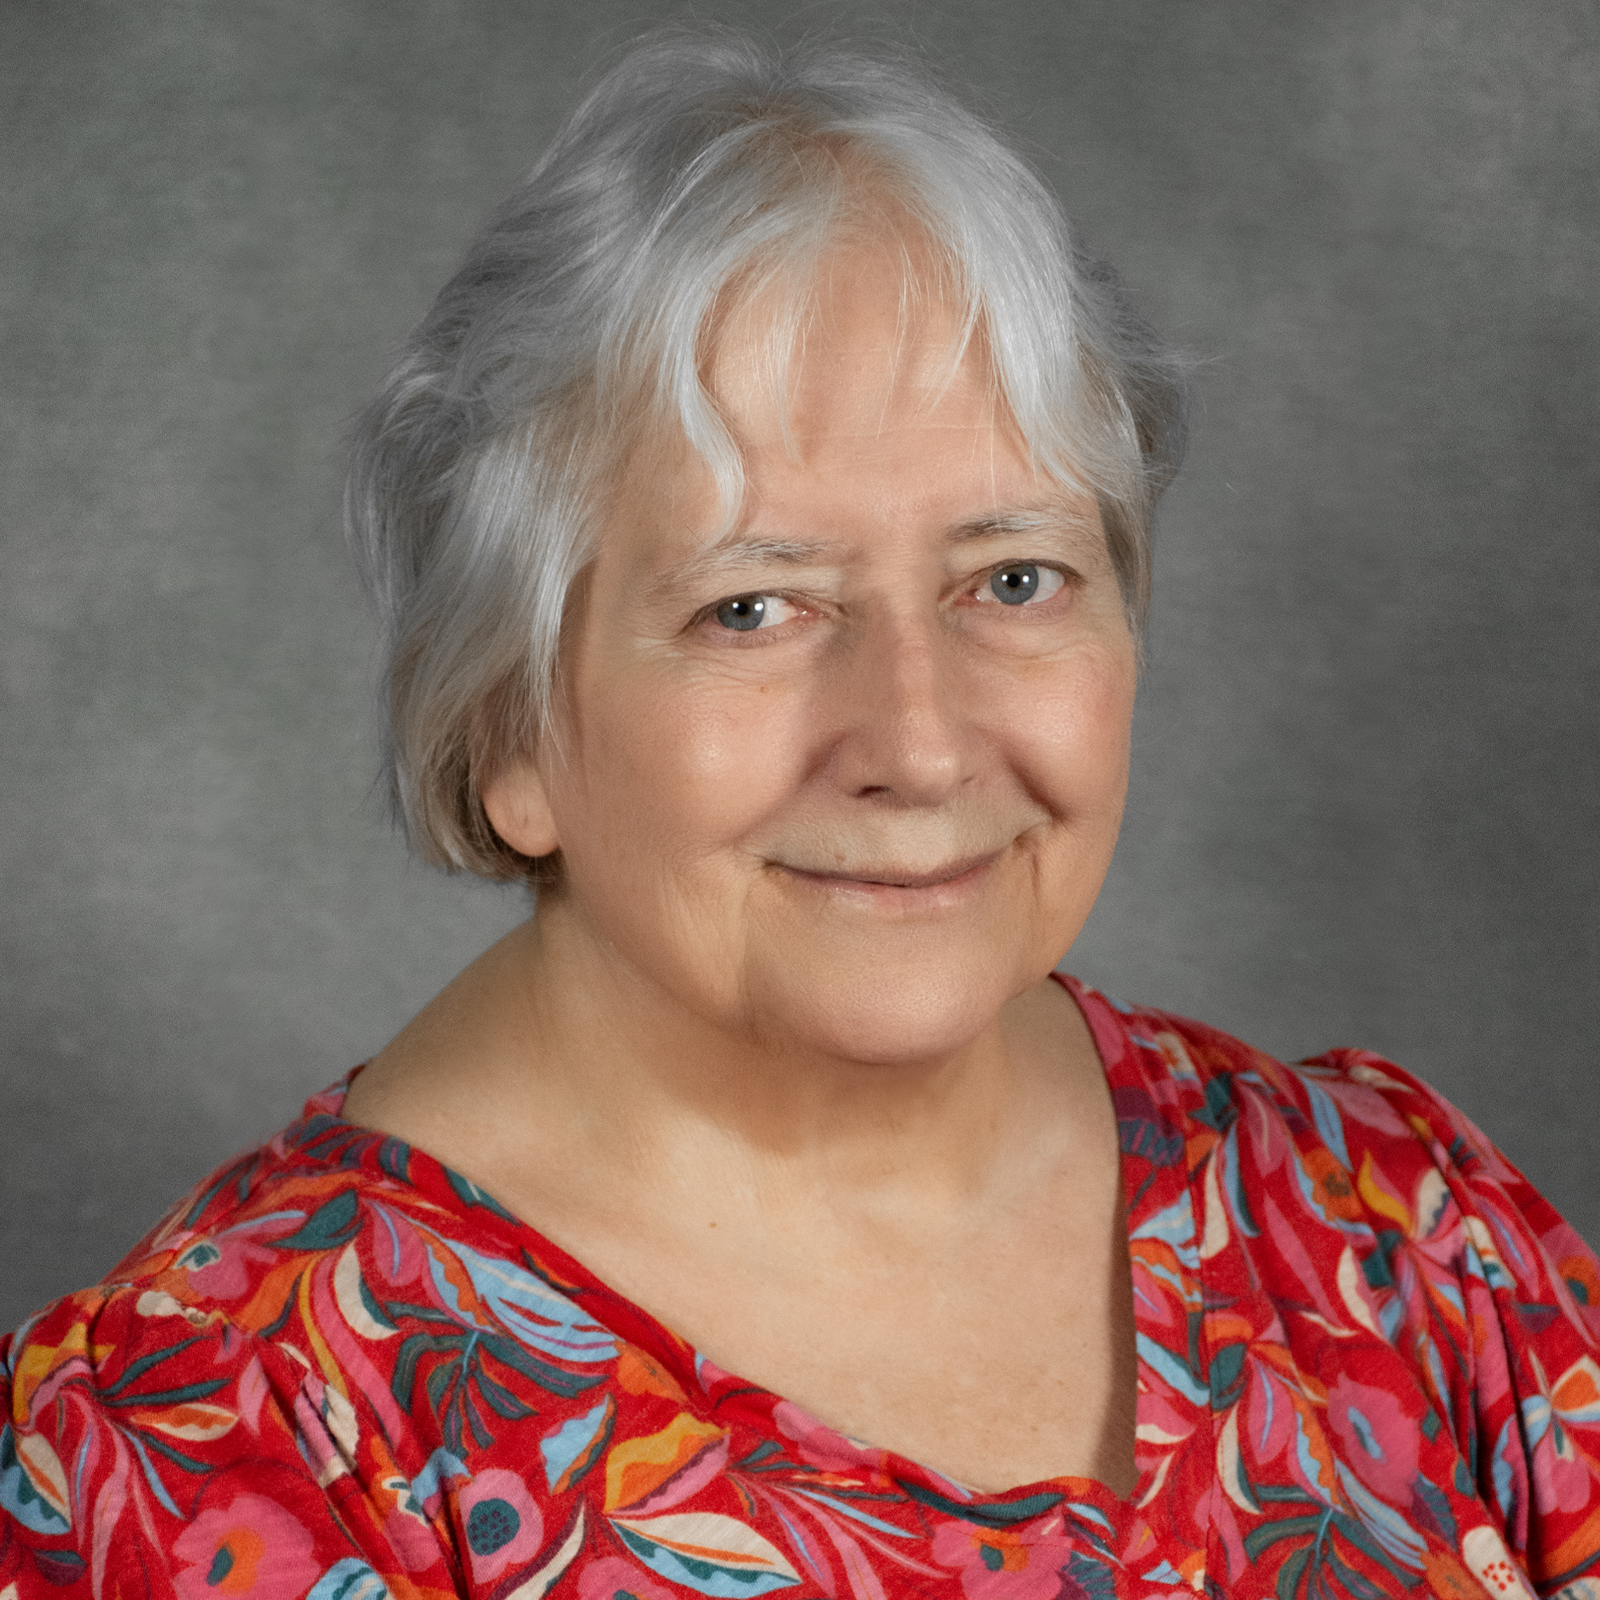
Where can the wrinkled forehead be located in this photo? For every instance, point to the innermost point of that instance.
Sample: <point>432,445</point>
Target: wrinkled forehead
<point>875,337</point>
<point>862,367</point>
<point>859,395</point>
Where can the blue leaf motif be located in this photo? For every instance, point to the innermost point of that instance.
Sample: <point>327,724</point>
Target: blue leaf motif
<point>1175,1371</point>
<point>1175,1226</point>
<point>571,1449</point>
<point>20,1497</point>
<point>1329,1123</point>
<point>1383,1522</point>
<point>527,1306</point>
<point>349,1579</point>
<point>713,1554</point>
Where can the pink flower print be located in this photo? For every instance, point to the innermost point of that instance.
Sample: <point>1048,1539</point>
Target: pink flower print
<point>223,1267</point>
<point>1562,1481</point>
<point>612,1579</point>
<point>252,1548</point>
<point>407,1529</point>
<point>821,1446</point>
<point>1379,1439</point>
<point>1024,1563</point>
<point>502,1523</point>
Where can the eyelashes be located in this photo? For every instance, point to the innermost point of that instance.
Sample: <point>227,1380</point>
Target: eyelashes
<point>1014,585</point>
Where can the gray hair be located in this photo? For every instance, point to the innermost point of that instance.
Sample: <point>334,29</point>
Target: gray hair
<point>702,168</point>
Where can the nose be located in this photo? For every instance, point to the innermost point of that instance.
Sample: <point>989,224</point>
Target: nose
<point>905,737</point>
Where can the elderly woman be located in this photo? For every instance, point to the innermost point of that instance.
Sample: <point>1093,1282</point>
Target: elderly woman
<point>762,519</point>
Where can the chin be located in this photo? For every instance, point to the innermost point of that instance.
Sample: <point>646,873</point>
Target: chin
<point>887,1011</point>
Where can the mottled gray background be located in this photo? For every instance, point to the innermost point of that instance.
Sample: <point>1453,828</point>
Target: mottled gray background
<point>1366,788</point>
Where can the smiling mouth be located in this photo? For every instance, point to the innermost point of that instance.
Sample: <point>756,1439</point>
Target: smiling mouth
<point>894,878</point>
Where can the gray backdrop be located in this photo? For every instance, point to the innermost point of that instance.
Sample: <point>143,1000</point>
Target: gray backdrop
<point>1366,790</point>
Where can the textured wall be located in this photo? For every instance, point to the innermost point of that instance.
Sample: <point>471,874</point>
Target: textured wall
<point>1366,787</point>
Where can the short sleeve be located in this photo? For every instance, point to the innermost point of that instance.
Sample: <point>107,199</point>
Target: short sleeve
<point>152,1449</point>
<point>1530,1292</point>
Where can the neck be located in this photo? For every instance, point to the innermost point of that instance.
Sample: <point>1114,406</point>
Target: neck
<point>590,1066</point>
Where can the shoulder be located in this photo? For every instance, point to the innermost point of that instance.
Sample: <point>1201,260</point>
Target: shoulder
<point>220,1378</point>
<point>1219,1081</point>
<point>1367,1143</point>
<point>205,1288</point>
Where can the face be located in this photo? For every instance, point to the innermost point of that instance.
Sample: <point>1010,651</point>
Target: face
<point>847,778</point>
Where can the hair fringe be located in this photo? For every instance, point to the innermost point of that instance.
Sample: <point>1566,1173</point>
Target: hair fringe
<point>702,168</point>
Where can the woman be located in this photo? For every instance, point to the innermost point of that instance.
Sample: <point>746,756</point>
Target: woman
<point>762,518</point>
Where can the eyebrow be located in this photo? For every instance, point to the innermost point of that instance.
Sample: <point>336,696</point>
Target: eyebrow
<point>1029,520</point>
<point>735,550</point>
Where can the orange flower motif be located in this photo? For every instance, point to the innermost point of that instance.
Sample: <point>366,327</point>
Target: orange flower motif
<point>1330,1184</point>
<point>1582,1279</point>
<point>1447,1578</point>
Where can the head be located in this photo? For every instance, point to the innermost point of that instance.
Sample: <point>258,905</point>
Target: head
<point>743,290</point>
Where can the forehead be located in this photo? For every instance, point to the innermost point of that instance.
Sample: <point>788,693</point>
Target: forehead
<point>859,405</point>
<point>870,344</point>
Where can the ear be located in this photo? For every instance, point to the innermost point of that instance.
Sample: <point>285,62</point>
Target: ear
<point>518,808</point>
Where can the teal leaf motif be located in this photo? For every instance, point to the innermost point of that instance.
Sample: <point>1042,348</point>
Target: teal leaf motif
<point>1163,1572</point>
<point>137,1369</point>
<point>1233,1182</point>
<point>998,1514</point>
<point>59,1567</point>
<point>1289,1573</point>
<point>1219,1112</point>
<point>1375,1269</point>
<point>1084,1578</point>
<point>471,1195</point>
<point>1437,1506</point>
<point>846,1509</point>
<point>330,1227</point>
<point>1362,1588</point>
<point>1270,1533</point>
<point>394,1156</point>
<point>1227,1376</point>
<point>1143,1131</point>
<point>1362,1539</point>
<point>1330,1125</point>
<point>525,1305</point>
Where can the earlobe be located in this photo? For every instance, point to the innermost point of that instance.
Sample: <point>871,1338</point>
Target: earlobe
<point>518,809</point>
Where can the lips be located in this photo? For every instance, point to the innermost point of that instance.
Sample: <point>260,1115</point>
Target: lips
<point>896,877</point>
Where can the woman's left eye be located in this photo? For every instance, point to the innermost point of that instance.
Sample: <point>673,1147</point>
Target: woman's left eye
<point>1019,583</point>
<point>744,613</point>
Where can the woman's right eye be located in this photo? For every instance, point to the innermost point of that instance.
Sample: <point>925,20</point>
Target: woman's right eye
<point>744,613</point>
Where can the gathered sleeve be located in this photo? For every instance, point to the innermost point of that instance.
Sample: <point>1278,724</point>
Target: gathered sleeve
<point>153,1449</point>
<point>1510,1280</point>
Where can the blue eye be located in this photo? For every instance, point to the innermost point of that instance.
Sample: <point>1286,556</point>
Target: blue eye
<point>1012,586</point>
<point>743,612</point>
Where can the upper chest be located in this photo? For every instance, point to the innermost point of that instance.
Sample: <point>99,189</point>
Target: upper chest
<point>998,1350</point>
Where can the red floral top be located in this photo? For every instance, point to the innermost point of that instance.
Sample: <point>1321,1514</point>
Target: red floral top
<point>1367,1366</point>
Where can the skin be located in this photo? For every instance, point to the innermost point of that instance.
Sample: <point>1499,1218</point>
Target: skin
<point>780,1060</point>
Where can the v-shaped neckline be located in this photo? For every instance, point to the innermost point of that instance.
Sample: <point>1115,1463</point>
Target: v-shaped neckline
<point>1147,1199</point>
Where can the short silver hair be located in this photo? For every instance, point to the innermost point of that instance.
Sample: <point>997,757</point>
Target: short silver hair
<point>703,168</point>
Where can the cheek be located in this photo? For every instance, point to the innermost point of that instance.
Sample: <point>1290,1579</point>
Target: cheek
<point>1069,734</point>
<point>662,775</point>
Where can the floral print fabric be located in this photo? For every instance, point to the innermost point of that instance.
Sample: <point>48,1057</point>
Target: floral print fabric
<point>1369,1364</point>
